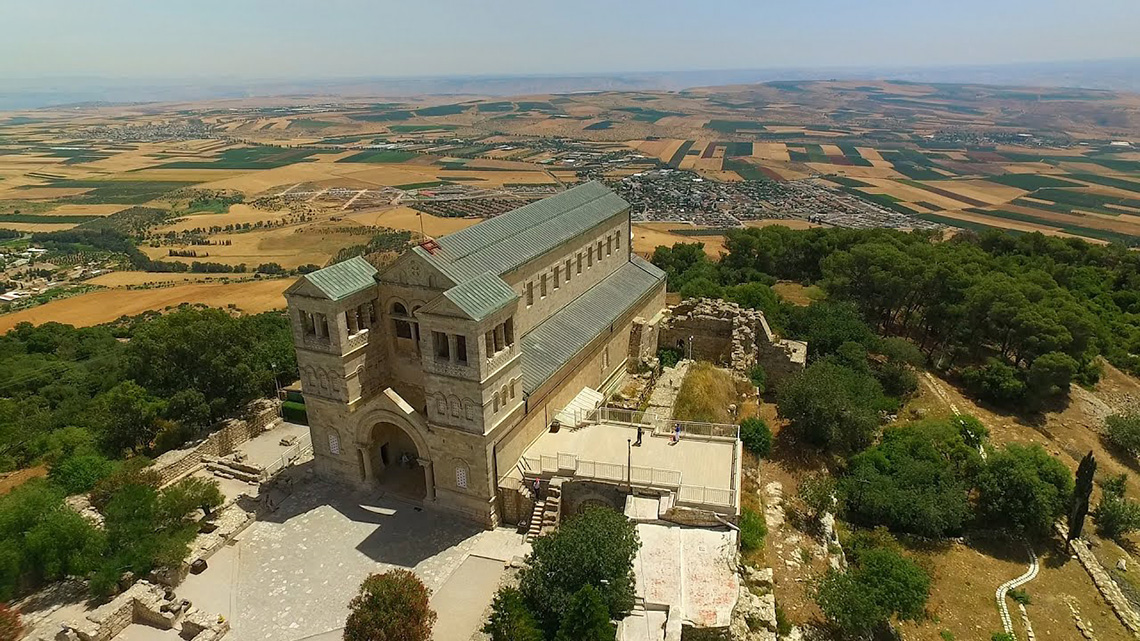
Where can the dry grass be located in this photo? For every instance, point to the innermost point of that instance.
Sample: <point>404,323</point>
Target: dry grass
<point>705,395</point>
<point>796,293</point>
<point>106,305</point>
<point>648,236</point>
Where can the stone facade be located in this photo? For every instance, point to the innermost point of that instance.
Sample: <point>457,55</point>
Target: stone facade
<point>409,392</point>
<point>730,335</point>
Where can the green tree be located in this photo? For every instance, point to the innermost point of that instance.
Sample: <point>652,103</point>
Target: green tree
<point>510,619</point>
<point>1023,489</point>
<point>701,287</point>
<point>1082,493</point>
<point>132,416</point>
<point>587,618</point>
<point>80,473</point>
<point>393,606</point>
<point>997,382</point>
<point>1050,375</point>
<point>917,479</point>
<point>883,584</point>
<point>189,407</point>
<point>594,548</point>
<point>756,436</point>
<point>832,406</point>
<point>826,325</point>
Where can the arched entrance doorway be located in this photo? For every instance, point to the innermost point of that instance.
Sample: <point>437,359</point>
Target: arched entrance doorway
<point>395,462</point>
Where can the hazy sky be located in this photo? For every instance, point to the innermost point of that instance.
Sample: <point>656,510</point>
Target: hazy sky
<point>339,38</point>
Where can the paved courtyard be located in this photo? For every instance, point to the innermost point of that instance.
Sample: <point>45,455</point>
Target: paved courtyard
<point>291,575</point>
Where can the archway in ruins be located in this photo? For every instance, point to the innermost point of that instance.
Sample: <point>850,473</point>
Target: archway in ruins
<point>395,463</point>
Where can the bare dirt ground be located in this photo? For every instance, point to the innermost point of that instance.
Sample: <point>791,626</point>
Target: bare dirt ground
<point>106,305</point>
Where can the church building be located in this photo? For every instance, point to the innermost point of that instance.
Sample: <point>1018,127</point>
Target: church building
<point>429,378</point>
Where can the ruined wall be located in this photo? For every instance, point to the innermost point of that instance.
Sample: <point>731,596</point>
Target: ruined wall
<point>730,335</point>
<point>177,463</point>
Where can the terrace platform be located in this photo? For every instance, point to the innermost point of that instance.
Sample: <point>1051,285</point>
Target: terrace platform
<point>702,470</point>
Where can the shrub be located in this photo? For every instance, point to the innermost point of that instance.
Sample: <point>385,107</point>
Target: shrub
<point>995,382</point>
<point>1123,430</point>
<point>1020,596</point>
<point>510,619</point>
<point>757,436</point>
<point>295,413</point>
<point>882,585</point>
<point>758,377</point>
<point>917,479</point>
<point>816,496</point>
<point>11,627</point>
<point>80,473</point>
<point>393,606</point>
<point>753,529</point>
<point>973,431</point>
<point>668,357</point>
<point>133,471</point>
<point>1002,636</point>
<point>1116,516</point>
<point>1023,489</point>
<point>783,625</point>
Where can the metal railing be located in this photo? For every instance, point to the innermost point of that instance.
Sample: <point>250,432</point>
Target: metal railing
<point>572,466</point>
<point>303,446</point>
<point>663,426</point>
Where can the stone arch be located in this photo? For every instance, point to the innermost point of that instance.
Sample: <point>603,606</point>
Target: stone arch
<point>456,406</point>
<point>440,404</point>
<point>394,455</point>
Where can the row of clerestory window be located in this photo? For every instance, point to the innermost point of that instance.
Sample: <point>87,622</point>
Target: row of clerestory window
<point>611,243</point>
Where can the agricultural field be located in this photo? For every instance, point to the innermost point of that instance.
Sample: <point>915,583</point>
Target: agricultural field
<point>295,181</point>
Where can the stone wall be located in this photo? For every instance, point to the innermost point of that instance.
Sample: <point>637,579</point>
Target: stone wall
<point>730,335</point>
<point>175,464</point>
<point>1104,584</point>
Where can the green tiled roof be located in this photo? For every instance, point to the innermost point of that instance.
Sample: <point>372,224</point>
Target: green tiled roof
<point>505,242</point>
<point>343,279</point>
<point>550,345</point>
<point>481,295</point>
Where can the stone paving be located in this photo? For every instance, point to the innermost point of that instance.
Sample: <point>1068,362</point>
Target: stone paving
<point>291,574</point>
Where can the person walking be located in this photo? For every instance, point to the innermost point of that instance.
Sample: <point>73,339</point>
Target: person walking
<point>640,429</point>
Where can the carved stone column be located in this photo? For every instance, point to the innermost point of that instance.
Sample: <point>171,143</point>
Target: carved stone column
<point>366,459</point>
<point>429,478</point>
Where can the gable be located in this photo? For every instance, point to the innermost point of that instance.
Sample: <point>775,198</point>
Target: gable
<point>414,270</point>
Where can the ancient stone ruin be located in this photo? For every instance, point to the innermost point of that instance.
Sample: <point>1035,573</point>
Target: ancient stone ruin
<point>730,335</point>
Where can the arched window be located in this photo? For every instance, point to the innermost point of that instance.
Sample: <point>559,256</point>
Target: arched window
<point>334,443</point>
<point>400,317</point>
<point>461,477</point>
<point>495,401</point>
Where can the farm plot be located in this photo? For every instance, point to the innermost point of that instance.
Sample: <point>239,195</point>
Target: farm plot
<point>107,305</point>
<point>380,156</point>
<point>248,158</point>
<point>288,246</point>
<point>125,192</point>
<point>409,219</point>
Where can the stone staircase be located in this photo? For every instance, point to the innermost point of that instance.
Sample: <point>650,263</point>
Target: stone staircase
<point>535,526</point>
<point>544,518</point>
<point>228,468</point>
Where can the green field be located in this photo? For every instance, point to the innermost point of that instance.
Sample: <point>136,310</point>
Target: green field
<point>1029,182</point>
<point>1079,230</point>
<point>248,158</point>
<point>733,126</point>
<point>601,124</point>
<point>127,192</point>
<point>442,110</point>
<point>56,220</point>
<point>1107,181</point>
<point>411,129</point>
<point>380,156</point>
<point>424,185</point>
<point>383,116</point>
<point>847,182</point>
<point>679,155</point>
